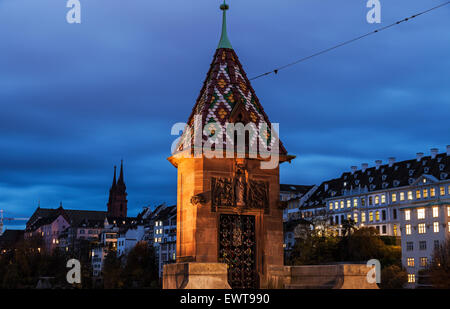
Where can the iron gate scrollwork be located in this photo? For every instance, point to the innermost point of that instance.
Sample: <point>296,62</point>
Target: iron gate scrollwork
<point>237,248</point>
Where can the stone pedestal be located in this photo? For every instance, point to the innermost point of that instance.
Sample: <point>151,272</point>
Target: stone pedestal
<point>342,276</point>
<point>195,276</point>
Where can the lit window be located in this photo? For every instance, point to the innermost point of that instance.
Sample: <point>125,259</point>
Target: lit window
<point>336,205</point>
<point>371,216</point>
<point>408,229</point>
<point>411,278</point>
<point>355,218</point>
<point>418,194</point>
<point>377,215</point>
<point>425,193</point>
<point>349,216</point>
<point>432,192</point>
<point>442,190</point>
<point>363,218</point>
<point>355,202</point>
<point>423,261</point>
<point>448,211</point>
<point>421,213</point>
<point>349,203</point>
<point>435,212</point>
<point>410,195</point>
<point>449,227</point>
<point>394,197</point>
<point>377,200</point>
<point>422,228</point>
<point>156,239</point>
<point>383,199</point>
<point>407,215</point>
<point>436,227</point>
<point>402,196</point>
<point>410,262</point>
<point>331,206</point>
<point>395,229</point>
<point>342,204</point>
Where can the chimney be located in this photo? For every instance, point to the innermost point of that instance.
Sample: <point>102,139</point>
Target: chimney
<point>448,150</point>
<point>434,152</point>
<point>378,164</point>
<point>326,187</point>
<point>391,161</point>
<point>354,168</point>
<point>364,167</point>
<point>419,156</point>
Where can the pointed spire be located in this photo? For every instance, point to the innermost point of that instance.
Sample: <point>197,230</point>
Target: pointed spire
<point>114,179</point>
<point>224,41</point>
<point>121,173</point>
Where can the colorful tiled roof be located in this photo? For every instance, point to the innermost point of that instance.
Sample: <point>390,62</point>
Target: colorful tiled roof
<point>228,97</point>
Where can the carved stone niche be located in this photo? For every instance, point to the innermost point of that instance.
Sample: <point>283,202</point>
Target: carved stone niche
<point>198,200</point>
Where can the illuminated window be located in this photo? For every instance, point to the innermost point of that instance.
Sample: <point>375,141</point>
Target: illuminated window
<point>411,278</point>
<point>349,203</point>
<point>435,212</point>
<point>421,213</point>
<point>349,216</point>
<point>383,199</point>
<point>408,229</point>
<point>370,216</point>
<point>418,194</point>
<point>394,197</point>
<point>410,262</point>
<point>355,202</point>
<point>342,204</point>
<point>436,227</point>
<point>410,195</point>
<point>432,192</point>
<point>377,215</point>
<point>442,190</point>
<point>407,215</point>
<point>395,229</point>
<point>422,228</point>
<point>331,206</point>
<point>423,261</point>
<point>363,218</point>
<point>156,239</point>
<point>377,200</point>
<point>402,196</point>
<point>448,211</point>
<point>336,205</point>
<point>355,218</point>
<point>449,227</point>
<point>425,193</point>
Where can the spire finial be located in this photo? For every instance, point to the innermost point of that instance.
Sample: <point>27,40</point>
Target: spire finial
<point>121,172</point>
<point>224,41</point>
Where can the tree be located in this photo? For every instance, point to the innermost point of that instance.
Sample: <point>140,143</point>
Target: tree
<point>393,277</point>
<point>141,270</point>
<point>439,270</point>
<point>112,271</point>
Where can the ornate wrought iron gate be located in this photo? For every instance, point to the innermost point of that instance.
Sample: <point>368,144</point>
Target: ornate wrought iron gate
<point>237,248</point>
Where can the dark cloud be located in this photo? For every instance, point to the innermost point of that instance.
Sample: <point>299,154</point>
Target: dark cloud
<point>75,99</point>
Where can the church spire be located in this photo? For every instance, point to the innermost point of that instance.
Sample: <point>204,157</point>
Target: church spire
<point>224,41</point>
<point>121,181</point>
<point>114,179</point>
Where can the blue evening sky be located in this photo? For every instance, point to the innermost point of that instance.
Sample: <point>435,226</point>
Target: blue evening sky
<point>75,99</point>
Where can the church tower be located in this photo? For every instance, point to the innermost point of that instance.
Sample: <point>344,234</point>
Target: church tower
<point>117,203</point>
<point>228,208</point>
